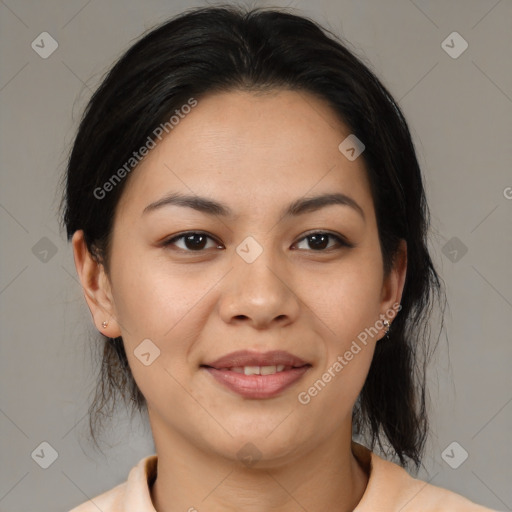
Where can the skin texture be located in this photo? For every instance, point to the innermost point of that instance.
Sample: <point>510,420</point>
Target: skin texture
<point>256,153</point>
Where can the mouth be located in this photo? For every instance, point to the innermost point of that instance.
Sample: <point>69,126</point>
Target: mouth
<point>257,375</point>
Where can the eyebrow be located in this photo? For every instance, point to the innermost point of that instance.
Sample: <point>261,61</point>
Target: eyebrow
<point>212,207</point>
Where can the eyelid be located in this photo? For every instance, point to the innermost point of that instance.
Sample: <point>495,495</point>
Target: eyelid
<point>341,239</point>
<point>175,238</point>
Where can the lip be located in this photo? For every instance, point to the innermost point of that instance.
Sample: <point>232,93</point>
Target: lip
<point>257,386</point>
<point>248,358</point>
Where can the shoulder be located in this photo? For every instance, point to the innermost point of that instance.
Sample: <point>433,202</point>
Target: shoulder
<point>131,495</point>
<point>418,495</point>
<point>391,488</point>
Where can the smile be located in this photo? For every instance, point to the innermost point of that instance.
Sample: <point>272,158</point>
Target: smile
<point>257,376</point>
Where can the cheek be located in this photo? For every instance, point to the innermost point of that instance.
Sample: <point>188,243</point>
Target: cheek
<point>152,297</point>
<point>169,309</point>
<point>347,296</point>
<point>336,388</point>
<point>349,307</point>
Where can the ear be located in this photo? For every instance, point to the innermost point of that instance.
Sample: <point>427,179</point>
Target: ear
<point>393,285</point>
<point>96,287</point>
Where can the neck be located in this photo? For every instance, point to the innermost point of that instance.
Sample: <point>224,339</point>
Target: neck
<point>327,477</point>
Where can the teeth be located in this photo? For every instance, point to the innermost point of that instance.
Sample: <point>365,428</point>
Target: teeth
<point>258,370</point>
<point>268,370</point>
<point>252,370</point>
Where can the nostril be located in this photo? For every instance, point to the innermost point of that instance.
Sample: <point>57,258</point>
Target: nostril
<point>240,317</point>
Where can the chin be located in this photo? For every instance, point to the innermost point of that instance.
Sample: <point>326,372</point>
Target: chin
<point>255,447</point>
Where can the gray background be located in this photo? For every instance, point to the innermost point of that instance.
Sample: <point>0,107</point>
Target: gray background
<point>459,111</point>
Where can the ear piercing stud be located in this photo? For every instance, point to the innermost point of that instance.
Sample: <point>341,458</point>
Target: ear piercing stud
<point>104,324</point>
<point>387,325</point>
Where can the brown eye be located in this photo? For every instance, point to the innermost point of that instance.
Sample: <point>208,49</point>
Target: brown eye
<point>192,241</point>
<point>319,241</point>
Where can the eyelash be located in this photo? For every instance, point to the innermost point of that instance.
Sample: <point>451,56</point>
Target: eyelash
<point>340,240</point>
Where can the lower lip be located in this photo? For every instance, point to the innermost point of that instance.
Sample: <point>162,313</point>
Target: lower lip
<point>258,386</point>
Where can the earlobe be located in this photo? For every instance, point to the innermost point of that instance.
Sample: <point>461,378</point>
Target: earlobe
<point>96,287</point>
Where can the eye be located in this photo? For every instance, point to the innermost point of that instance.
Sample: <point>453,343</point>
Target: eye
<point>193,241</point>
<point>196,241</point>
<point>319,240</point>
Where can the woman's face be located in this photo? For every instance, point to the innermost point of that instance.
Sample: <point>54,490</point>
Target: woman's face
<point>258,277</point>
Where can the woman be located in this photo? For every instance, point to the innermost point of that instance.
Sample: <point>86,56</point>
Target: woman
<point>249,226</point>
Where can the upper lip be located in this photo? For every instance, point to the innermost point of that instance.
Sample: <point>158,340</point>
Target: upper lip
<point>247,358</point>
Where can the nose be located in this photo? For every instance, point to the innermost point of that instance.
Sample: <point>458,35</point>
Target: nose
<point>259,294</point>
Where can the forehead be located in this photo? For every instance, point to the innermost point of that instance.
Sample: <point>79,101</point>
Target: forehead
<point>250,150</point>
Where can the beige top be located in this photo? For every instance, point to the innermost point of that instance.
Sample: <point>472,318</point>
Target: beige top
<point>390,489</point>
